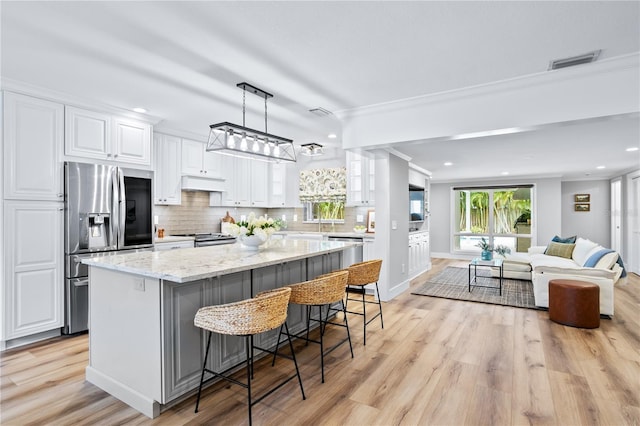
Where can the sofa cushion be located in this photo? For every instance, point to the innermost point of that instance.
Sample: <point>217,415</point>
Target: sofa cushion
<point>582,249</point>
<point>560,249</point>
<point>568,240</point>
<point>602,259</point>
<point>552,261</point>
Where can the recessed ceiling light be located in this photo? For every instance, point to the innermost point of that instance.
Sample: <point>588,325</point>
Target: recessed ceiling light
<point>504,173</point>
<point>633,148</point>
<point>332,136</point>
<point>448,163</point>
<point>600,167</point>
<point>140,110</point>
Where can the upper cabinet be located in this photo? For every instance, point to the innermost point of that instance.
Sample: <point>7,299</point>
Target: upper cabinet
<point>90,134</point>
<point>361,188</point>
<point>246,183</point>
<point>33,137</point>
<point>197,161</point>
<point>168,150</point>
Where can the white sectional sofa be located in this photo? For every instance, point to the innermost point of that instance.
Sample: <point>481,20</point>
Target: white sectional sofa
<point>540,268</point>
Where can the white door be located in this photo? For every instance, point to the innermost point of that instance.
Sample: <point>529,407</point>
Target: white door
<point>633,258</point>
<point>259,183</point>
<point>132,141</point>
<point>192,153</point>
<point>33,140</point>
<point>168,188</point>
<point>616,216</point>
<point>34,267</point>
<point>87,133</point>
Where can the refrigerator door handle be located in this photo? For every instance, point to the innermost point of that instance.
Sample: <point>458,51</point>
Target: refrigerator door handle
<point>115,210</point>
<point>123,208</point>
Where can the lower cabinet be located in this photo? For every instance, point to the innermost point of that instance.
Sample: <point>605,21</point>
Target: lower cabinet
<point>419,255</point>
<point>185,344</point>
<point>34,288</point>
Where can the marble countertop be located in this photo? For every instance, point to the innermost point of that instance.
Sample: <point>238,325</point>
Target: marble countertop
<point>192,264</point>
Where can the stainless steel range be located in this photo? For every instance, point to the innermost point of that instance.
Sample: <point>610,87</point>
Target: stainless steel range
<point>209,239</point>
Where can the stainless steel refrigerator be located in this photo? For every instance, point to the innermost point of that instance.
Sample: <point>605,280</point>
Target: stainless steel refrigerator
<point>108,210</point>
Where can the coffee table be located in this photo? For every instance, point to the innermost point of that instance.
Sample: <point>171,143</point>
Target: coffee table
<point>494,263</point>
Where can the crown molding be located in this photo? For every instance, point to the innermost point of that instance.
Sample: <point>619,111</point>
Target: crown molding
<point>64,98</point>
<point>605,66</point>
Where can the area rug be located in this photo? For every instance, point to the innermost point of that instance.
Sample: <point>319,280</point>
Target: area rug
<point>453,283</point>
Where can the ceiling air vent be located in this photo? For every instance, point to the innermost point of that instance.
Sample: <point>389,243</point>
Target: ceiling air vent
<point>574,60</point>
<point>320,111</point>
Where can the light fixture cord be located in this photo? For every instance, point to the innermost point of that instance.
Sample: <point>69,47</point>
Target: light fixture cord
<point>265,114</point>
<point>244,95</point>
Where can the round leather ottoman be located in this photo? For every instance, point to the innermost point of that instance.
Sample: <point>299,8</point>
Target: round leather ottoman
<point>574,303</point>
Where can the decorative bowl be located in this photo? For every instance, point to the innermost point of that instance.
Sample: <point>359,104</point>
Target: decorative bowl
<point>252,242</point>
<point>359,229</point>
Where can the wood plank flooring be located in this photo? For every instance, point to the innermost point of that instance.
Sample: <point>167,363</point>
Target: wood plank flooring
<point>437,361</point>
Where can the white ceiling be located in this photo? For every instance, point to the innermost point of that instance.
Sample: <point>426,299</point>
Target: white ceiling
<point>182,61</point>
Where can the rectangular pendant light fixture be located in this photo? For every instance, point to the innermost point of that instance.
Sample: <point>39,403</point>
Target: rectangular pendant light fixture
<point>241,141</point>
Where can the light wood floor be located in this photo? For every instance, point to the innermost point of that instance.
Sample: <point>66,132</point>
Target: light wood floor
<point>436,361</point>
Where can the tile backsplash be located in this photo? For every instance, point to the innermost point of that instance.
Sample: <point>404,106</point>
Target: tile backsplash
<point>195,215</point>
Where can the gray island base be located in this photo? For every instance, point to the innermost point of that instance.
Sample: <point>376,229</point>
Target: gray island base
<point>143,346</point>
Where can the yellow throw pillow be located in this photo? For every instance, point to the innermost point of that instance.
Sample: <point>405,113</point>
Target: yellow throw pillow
<point>560,250</point>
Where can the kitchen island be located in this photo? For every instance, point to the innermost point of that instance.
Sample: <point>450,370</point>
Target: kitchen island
<point>143,346</point>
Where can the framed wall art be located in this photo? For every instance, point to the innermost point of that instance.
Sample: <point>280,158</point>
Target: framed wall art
<point>582,207</point>
<point>371,221</point>
<point>582,198</point>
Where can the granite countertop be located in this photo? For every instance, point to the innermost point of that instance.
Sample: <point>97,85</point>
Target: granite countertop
<point>192,264</point>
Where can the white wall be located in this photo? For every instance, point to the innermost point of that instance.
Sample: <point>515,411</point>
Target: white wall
<point>594,224</point>
<point>391,245</point>
<point>547,211</point>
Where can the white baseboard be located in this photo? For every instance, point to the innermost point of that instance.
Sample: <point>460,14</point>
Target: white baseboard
<point>26,340</point>
<point>451,256</point>
<point>146,406</point>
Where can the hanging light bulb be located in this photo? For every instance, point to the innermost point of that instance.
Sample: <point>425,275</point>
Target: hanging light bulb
<point>256,147</point>
<point>243,142</point>
<point>276,151</point>
<point>231,140</point>
<point>267,149</point>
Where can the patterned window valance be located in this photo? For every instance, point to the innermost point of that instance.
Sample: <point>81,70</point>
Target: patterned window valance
<point>318,185</point>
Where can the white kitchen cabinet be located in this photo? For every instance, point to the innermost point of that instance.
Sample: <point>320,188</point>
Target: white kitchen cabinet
<point>368,249</point>
<point>87,133</point>
<point>419,254</point>
<point>161,246</point>
<point>278,189</point>
<point>197,161</point>
<point>132,141</point>
<point>168,189</point>
<point>101,136</point>
<point>360,180</point>
<point>33,139</point>
<point>34,271</point>
<point>246,183</point>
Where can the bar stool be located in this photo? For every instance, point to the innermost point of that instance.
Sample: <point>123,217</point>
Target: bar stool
<point>361,274</point>
<point>266,311</point>
<point>321,291</point>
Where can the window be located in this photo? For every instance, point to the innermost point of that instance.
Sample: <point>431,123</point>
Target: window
<point>327,211</point>
<point>500,214</point>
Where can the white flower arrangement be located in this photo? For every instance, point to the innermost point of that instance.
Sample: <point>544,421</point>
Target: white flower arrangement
<point>261,227</point>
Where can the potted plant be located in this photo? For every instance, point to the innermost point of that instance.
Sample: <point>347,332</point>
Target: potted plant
<point>486,248</point>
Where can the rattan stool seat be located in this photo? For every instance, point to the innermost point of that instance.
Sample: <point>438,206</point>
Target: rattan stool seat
<point>360,275</point>
<point>266,311</point>
<point>324,290</point>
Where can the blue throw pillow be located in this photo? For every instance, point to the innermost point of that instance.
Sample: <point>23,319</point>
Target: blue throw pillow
<point>568,240</point>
